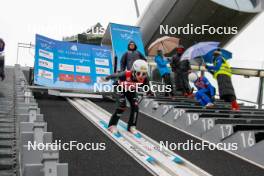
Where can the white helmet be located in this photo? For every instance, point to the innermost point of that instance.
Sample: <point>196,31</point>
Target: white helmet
<point>193,77</point>
<point>140,66</point>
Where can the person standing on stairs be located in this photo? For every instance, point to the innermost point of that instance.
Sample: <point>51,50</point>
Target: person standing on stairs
<point>221,71</point>
<point>181,69</point>
<point>164,71</point>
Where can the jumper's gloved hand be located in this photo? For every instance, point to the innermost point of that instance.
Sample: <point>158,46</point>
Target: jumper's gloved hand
<point>150,94</point>
<point>212,72</point>
<point>207,68</point>
<point>2,75</point>
<point>104,79</point>
<point>213,99</point>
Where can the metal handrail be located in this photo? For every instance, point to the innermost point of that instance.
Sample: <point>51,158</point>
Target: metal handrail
<point>247,72</point>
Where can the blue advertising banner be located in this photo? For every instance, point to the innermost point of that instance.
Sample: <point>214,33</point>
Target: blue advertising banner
<point>61,64</point>
<point>121,35</point>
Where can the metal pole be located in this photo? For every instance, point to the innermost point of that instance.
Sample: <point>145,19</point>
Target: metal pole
<point>260,93</point>
<point>17,53</point>
<point>137,9</point>
<point>23,45</point>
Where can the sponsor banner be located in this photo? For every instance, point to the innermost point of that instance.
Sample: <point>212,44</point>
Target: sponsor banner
<point>121,35</point>
<point>70,65</point>
<point>83,69</point>
<point>66,77</point>
<point>82,78</point>
<point>99,61</point>
<point>102,71</point>
<point>46,64</point>
<point>66,67</point>
<point>45,74</point>
<point>45,54</point>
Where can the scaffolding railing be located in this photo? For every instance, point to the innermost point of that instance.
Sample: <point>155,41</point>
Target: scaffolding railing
<point>246,72</point>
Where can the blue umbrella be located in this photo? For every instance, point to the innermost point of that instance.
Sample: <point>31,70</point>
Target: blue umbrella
<point>210,55</point>
<point>199,49</point>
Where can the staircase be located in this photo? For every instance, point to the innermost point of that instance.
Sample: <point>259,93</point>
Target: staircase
<point>216,125</point>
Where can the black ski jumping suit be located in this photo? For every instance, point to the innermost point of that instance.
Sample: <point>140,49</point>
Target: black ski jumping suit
<point>125,79</point>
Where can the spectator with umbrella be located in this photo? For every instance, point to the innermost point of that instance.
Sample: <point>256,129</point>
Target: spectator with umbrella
<point>181,70</point>
<point>165,43</point>
<point>158,48</point>
<point>164,71</point>
<point>222,72</point>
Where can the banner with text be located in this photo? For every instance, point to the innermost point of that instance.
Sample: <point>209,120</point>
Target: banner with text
<point>60,64</point>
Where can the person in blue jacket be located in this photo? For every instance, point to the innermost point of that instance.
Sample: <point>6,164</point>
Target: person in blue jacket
<point>205,91</point>
<point>164,71</point>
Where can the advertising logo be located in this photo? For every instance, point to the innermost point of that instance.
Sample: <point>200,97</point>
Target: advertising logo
<point>103,71</point>
<point>83,79</point>
<point>99,61</point>
<point>46,64</point>
<point>45,74</point>
<point>74,48</point>
<point>83,69</point>
<point>66,67</point>
<point>46,54</point>
<point>66,77</point>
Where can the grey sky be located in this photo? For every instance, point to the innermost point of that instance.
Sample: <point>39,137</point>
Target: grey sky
<point>21,19</point>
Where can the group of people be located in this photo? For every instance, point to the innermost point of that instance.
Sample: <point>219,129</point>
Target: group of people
<point>183,73</point>
<point>134,69</point>
<point>181,69</point>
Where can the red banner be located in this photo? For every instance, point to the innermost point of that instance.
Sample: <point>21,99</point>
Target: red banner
<point>83,79</point>
<point>66,77</point>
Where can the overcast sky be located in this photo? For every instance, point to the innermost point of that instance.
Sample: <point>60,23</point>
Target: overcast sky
<point>21,19</point>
